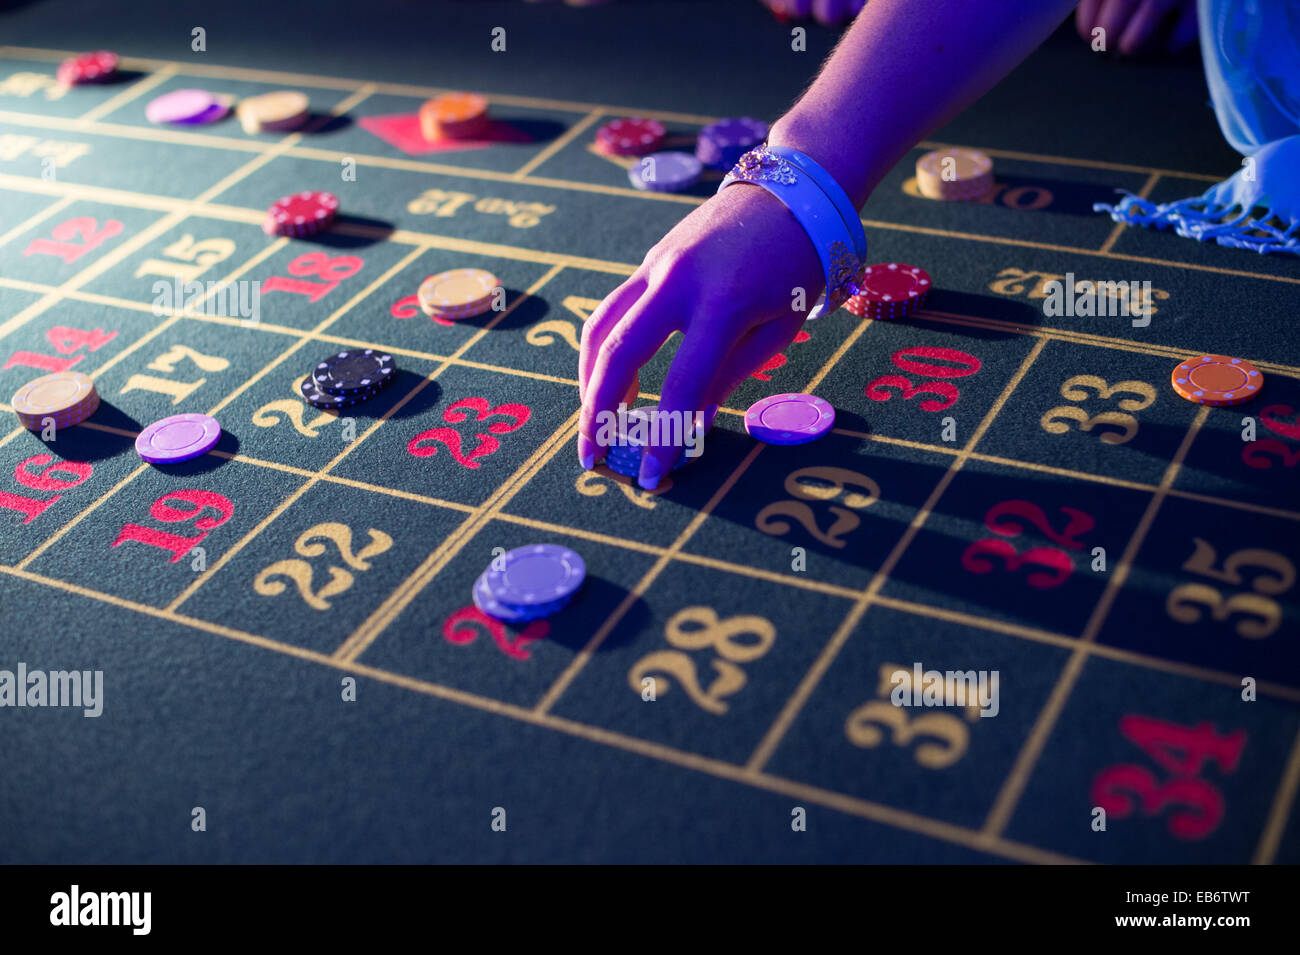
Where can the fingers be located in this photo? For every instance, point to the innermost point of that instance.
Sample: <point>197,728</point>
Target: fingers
<point>601,321</point>
<point>1145,22</point>
<point>1113,17</point>
<point>1085,17</point>
<point>750,354</point>
<point>627,346</point>
<point>686,389</point>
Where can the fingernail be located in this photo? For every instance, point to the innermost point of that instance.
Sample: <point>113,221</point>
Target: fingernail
<point>586,455</point>
<point>650,472</point>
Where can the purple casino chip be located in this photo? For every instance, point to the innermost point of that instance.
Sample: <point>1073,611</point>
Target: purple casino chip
<point>665,172</point>
<point>178,438</point>
<point>218,110</point>
<point>789,418</point>
<point>180,106</point>
<point>721,144</point>
<point>534,575</point>
<point>485,601</point>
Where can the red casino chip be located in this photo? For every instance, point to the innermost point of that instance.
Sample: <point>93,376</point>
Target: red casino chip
<point>87,68</point>
<point>889,290</point>
<point>630,137</point>
<point>303,213</point>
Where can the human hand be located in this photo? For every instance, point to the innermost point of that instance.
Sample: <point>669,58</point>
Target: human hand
<point>725,277</point>
<point>1131,25</point>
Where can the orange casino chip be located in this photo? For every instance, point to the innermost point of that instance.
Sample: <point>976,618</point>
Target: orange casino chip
<point>1217,380</point>
<point>458,293</point>
<point>454,116</point>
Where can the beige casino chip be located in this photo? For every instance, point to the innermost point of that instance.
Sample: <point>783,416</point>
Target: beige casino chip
<point>954,173</point>
<point>458,293</point>
<point>274,112</point>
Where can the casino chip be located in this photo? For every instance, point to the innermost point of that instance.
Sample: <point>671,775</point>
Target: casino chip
<point>454,116</point>
<point>348,373</point>
<point>890,290</point>
<point>301,214</point>
<point>1217,380</point>
<point>624,456</point>
<point>494,608</point>
<point>280,111</point>
<point>318,397</point>
<point>630,137</point>
<point>458,293</point>
<point>971,174</point>
<point>721,144</point>
<point>86,68</point>
<point>178,438</point>
<point>66,397</point>
<point>665,172</point>
<point>536,580</point>
<point>789,418</point>
<point>184,106</point>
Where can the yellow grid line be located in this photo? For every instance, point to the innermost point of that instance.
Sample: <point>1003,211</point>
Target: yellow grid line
<point>719,769</point>
<point>1014,785</point>
<point>794,705</point>
<point>982,838</point>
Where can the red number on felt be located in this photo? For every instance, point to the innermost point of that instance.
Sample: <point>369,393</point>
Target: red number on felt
<point>34,507</point>
<point>779,359</point>
<point>461,629</point>
<point>967,364</point>
<point>65,341</point>
<point>908,390</point>
<point>516,414</point>
<point>63,245</point>
<point>1257,454</point>
<point>976,560</point>
<point>1285,429</point>
<point>1182,750</point>
<point>332,270</point>
<point>423,445</point>
<point>161,510</point>
<point>409,307</point>
<point>1080,523</point>
<point>1204,803</point>
<point>906,360</point>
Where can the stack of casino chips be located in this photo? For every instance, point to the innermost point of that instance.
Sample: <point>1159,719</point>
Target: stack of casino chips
<point>93,67</point>
<point>301,214</point>
<point>458,293</point>
<point>454,116</point>
<point>955,173</point>
<point>721,144</point>
<point>630,137</point>
<point>348,378</point>
<point>276,112</point>
<point>66,397</point>
<point>889,291</point>
<point>529,583</point>
<point>624,456</point>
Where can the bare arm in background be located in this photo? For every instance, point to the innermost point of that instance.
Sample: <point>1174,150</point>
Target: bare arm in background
<point>724,275</point>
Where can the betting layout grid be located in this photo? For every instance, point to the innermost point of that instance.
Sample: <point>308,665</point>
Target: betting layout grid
<point>686,550</point>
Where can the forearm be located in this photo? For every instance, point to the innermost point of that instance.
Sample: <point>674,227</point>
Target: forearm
<point>902,70</point>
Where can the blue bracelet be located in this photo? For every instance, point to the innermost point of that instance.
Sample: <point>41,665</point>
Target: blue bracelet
<point>842,253</point>
<point>837,196</point>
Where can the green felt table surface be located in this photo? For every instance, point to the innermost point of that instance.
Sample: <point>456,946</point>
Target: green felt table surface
<point>1006,491</point>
